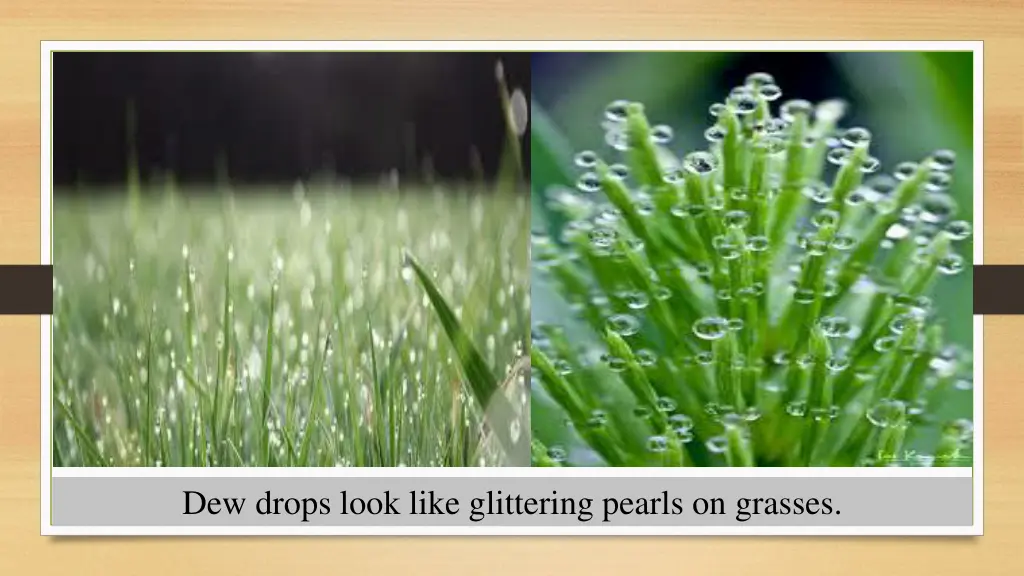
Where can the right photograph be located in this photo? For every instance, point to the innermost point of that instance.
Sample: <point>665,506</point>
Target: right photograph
<point>752,259</point>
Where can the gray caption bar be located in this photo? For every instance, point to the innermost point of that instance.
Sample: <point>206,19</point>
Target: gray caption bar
<point>510,501</point>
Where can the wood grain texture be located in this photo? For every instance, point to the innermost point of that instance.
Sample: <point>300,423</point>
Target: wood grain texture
<point>23,23</point>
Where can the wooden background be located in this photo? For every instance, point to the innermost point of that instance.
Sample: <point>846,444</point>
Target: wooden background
<point>23,23</point>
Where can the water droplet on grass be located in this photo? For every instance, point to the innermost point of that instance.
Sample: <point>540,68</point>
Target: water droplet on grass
<point>943,160</point>
<point>791,108</point>
<point>951,264</point>
<point>717,444</point>
<point>887,413</point>
<point>617,110</point>
<point>710,327</point>
<point>666,405</point>
<point>661,134</point>
<point>624,324</point>
<point>589,183</point>
<point>715,134</point>
<point>758,79</point>
<point>835,326</point>
<point>557,454</point>
<point>736,219</point>
<point>959,230</point>
<point>770,92</point>
<point>681,423</point>
<point>797,408</point>
<point>586,159</point>
<point>904,170</point>
<point>743,103</point>
<point>700,163</point>
<point>838,156</point>
<point>657,444</point>
<point>618,171</point>
<point>519,111</point>
<point>938,181</point>
<point>855,137</point>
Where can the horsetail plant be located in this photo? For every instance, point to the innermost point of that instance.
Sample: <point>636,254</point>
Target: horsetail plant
<point>763,302</point>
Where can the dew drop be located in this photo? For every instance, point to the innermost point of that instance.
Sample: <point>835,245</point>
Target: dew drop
<point>825,218</point>
<point>797,408</point>
<point>589,182</point>
<point>586,159</point>
<point>646,358</point>
<point>791,108</point>
<point>818,192</point>
<point>715,134</point>
<point>666,405</point>
<point>716,109</point>
<point>803,296</point>
<point>657,444</point>
<point>835,326</point>
<point>743,103</point>
<point>557,454</point>
<point>598,419</point>
<point>757,243</point>
<point>717,444</point>
<point>681,423</point>
<point>618,171</point>
<point>962,429</point>
<point>838,156</point>
<point>770,92</point>
<point>726,248</point>
<point>870,165</point>
<point>938,181</point>
<point>887,413</point>
<point>737,219</point>
<point>700,163</point>
<point>661,134</point>
<point>942,160</point>
<point>837,364</point>
<point>951,264</point>
<point>711,327</point>
<point>624,324</point>
<point>853,137</point>
<point>904,170</point>
<point>758,79</point>
<point>885,344</point>
<point>617,111</point>
<point>958,230</point>
<point>937,208</point>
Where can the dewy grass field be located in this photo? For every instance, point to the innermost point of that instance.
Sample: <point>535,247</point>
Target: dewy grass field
<point>292,329</point>
<point>762,302</point>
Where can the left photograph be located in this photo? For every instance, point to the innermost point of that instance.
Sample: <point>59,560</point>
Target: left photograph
<point>290,259</point>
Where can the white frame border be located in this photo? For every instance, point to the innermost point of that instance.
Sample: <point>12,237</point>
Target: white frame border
<point>47,529</point>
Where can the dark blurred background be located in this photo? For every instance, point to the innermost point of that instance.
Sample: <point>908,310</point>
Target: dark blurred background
<point>276,117</point>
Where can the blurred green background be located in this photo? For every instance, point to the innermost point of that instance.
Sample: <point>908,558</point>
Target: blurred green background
<point>912,102</point>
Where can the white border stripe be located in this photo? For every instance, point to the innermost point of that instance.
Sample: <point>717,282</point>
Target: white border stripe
<point>959,472</point>
<point>530,46</point>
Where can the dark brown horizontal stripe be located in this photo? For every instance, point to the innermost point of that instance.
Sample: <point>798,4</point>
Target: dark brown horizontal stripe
<point>26,290</point>
<point>999,290</point>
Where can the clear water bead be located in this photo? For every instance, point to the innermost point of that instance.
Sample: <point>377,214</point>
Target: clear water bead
<point>791,108</point>
<point>662,134</point>
<point>617,111</point>
<point>586,159</point>
<point>887,413</point>
<point>624,324</point>
<point>770,92</point>
<point>700,163</point>
<point>854,137</point>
